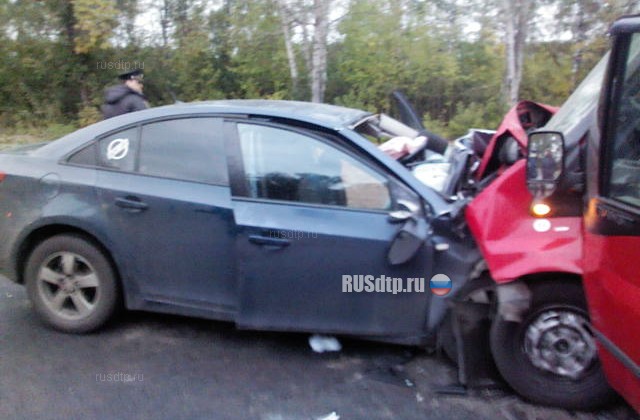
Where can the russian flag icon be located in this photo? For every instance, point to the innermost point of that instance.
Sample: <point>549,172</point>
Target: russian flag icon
<point>440,285</point>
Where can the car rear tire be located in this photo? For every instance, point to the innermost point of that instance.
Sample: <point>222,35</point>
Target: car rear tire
<point>72,284</point>
<point>550,358</point>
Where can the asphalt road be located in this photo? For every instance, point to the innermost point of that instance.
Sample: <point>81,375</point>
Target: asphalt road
<point>148,366</point>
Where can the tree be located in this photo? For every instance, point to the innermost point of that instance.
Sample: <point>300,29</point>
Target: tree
<point>319,49</point>
<point>287,21</point>
<point>127,14</point>
<point>95,21</point>
<point>517,14</point>
<point>258,54</point>
<point>451,57</point>
<point>221,43</point>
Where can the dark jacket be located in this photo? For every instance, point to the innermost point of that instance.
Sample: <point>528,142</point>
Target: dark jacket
<point>120,100</point>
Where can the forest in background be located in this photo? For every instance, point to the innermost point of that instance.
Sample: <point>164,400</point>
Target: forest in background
<point>462,63</point>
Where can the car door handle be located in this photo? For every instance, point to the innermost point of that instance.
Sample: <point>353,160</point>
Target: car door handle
<point>131,203</point>
<point>267,241</point>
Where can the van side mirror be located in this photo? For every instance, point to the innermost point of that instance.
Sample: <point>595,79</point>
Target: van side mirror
<point>545,162</point>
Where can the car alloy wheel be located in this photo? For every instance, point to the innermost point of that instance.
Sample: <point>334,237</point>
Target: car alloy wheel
<point>72,283</point>
<point>69,285</point>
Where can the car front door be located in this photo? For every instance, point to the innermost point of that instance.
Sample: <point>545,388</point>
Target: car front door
<point>164,192</point>
<point>312,215</point>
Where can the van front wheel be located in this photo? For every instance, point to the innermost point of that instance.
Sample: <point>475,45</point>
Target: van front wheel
<point>551,357</point>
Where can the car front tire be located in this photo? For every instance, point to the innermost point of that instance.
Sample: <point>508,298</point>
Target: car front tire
<point>72,284</point>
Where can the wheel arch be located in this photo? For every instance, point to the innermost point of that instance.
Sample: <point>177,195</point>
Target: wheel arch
<point>42,233</point>
<point>546,276</point>
<point>515,297</point>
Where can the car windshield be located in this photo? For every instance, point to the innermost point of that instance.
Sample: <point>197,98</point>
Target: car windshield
<point>582,100</point>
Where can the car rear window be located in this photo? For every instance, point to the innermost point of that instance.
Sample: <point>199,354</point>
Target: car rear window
<point>118,151</point>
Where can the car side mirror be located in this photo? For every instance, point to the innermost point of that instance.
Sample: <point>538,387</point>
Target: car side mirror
<point>411,235</point>
<point>545,162</point>
<point>407,241</point>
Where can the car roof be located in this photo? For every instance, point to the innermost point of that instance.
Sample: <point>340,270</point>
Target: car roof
<point>330,117</point>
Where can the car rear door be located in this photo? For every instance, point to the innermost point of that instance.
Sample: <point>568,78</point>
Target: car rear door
<point>310,212</point>
<point>164,191</point>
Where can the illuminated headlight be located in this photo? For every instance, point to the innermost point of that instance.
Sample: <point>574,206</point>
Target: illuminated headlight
<point>540,209</point>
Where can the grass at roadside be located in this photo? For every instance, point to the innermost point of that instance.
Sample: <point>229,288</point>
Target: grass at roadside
<point>16,136</point>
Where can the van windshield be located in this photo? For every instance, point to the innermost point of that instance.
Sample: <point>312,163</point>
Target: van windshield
<point>581,102</point>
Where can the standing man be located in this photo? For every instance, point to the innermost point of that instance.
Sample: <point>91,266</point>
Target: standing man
<point>126,97</point>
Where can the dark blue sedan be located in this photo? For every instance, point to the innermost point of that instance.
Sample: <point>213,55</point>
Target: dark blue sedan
<point>255,212</point>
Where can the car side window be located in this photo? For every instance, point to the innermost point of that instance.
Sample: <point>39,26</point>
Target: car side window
<point>189,149</point>
<point>624,182</point>
<point>118,151</point>
<point>285,165</point>
<point>85,156</point>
